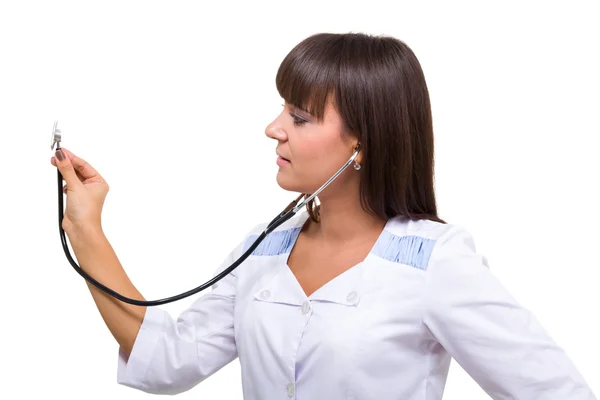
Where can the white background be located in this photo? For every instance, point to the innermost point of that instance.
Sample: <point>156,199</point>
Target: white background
<point>169,101</point>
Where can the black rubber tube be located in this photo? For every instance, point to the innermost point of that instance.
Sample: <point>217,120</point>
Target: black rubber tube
<point>280,219</point>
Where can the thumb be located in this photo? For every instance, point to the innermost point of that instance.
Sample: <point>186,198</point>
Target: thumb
<point>63,163</point>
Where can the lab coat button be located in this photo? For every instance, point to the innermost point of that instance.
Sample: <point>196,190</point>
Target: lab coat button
<point>305,308</point>
<point>290,389</point>
<point>352,296</point>
<point>265,294</point>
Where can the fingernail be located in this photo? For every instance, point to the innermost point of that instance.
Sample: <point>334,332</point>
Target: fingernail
<point>60,155</point>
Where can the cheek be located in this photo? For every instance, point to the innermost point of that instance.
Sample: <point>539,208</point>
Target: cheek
<point>319,161</point>
<point>315,152</point>
<point>313,158</point>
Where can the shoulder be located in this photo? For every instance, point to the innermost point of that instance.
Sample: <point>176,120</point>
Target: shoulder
<point>278,242</point>
<point>423,228</point>
<point>425,243</point>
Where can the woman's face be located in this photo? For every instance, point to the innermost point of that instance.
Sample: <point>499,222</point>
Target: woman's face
<point>310,152</point>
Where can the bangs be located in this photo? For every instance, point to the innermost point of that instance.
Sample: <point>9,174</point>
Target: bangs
<point>309,75</point>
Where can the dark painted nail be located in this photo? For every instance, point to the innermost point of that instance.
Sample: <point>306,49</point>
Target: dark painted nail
<point>60,155</point>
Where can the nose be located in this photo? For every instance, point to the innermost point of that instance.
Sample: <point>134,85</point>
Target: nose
<point>275,131</point>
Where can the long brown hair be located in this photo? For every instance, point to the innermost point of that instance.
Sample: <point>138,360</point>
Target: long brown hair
<point>378,87</point>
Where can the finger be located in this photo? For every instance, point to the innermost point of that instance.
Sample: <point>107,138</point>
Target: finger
<point>81,178</point>
<point>85,170</point>
<point>63,163</point>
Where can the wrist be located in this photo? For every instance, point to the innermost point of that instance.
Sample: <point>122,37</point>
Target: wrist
<point>89,234</point>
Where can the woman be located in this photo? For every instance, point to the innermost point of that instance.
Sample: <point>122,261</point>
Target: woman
<point>367,295</point>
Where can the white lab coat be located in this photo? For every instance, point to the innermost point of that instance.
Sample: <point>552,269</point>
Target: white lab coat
<point>387,328</point>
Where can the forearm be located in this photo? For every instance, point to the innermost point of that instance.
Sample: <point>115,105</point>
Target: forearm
<point>97,257</point>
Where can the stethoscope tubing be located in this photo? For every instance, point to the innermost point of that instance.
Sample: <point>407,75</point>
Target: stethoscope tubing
<point>284,216</point>
<point>277,221</point>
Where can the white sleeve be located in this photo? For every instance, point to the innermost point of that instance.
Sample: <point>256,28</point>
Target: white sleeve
<point>499,343</point>
<point>172,356</point>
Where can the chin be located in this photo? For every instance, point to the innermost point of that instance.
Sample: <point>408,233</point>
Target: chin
<point>285,182</point>
<point>290,184</point>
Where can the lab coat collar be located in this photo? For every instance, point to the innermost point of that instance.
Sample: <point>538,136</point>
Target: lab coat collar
<point>284,288</point>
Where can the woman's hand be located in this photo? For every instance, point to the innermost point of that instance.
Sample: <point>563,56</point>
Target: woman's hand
<point>85,189</point>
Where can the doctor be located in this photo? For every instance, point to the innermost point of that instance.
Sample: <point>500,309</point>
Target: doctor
<point>367,295</point>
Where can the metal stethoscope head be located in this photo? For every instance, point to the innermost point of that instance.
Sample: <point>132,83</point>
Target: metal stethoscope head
<point>56,138</point>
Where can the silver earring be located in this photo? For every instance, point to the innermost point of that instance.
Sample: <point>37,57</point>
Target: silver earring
<point>356,166</point>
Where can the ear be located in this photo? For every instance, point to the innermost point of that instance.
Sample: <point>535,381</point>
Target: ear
<point>356,147</point>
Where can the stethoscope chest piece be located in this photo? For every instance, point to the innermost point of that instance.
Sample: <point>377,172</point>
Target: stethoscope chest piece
<point>55,137</point>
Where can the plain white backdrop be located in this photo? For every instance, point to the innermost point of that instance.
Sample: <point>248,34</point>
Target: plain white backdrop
<point>169,101</point>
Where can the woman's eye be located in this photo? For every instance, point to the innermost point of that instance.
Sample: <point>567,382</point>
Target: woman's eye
<point>297,120</point>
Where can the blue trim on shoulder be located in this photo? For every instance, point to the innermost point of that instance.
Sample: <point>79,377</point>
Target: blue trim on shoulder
<point>276,243</point>
<point>410,250</point>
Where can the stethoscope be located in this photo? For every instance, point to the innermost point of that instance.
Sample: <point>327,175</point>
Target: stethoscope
<point>285,215</point>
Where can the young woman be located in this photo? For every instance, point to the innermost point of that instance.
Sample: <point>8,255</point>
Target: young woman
<point>367,295</point>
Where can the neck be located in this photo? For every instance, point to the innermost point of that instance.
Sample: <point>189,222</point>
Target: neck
<point>342,219</point>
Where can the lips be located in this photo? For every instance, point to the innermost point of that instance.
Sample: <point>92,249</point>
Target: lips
<point>286,159</point>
